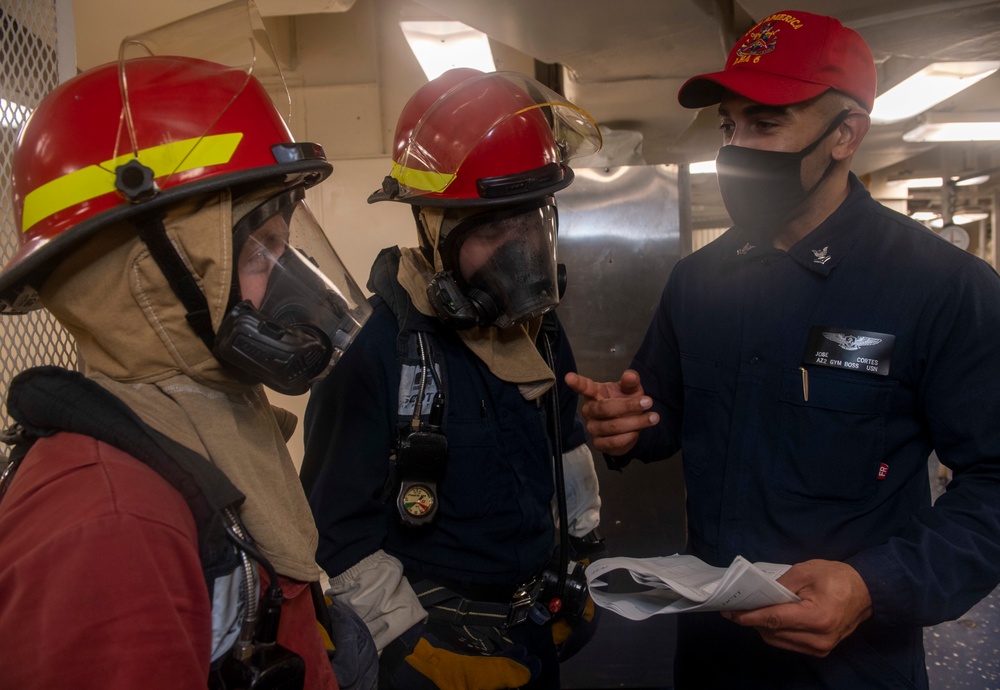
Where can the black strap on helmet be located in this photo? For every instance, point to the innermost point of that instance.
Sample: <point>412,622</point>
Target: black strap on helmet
<point>153,232</point>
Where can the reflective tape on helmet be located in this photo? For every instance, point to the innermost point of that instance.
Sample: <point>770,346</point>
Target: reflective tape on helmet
<point>423,180</point>
<point>97,180</point>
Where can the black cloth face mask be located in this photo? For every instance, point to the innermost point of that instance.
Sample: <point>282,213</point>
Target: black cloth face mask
<point>761,188</point>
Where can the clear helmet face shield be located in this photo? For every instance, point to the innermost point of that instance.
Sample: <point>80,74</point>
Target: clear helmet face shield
<point>509,256</point>
<point>295,307</point>
<point>238,41</point>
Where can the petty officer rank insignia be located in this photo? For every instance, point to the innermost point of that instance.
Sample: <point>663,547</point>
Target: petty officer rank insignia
<point>843,348</point>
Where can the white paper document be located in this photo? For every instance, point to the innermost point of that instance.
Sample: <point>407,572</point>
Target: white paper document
<point>679,583</point>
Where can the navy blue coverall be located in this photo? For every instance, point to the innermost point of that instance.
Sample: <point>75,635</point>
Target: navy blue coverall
<point>806,389</point>
<point>494,530</point>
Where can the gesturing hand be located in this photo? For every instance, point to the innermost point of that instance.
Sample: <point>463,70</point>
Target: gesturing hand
<point>615,411</point>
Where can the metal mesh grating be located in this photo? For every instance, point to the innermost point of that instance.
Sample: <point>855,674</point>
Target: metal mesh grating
<point>29,69</point>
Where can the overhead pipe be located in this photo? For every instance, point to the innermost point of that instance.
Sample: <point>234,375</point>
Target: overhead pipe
<point>725,12</point>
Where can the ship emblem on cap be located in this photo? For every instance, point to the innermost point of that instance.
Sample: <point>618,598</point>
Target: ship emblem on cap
<point>760,40</point>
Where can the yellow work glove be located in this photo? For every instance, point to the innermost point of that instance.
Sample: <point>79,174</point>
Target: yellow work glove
<point>419,659</point>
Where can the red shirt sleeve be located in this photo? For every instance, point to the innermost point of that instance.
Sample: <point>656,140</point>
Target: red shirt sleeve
<point>101,585</point>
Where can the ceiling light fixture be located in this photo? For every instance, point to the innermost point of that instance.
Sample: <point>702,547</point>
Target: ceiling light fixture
<point>702,168</point>
<point>970,181</point>
<point>969,217</point>
<point>916,182</point>
<point>928,182</point>
<point>442,45</point>
<point>933,84</point>
<point>936,221</point>
<point>982,126</point>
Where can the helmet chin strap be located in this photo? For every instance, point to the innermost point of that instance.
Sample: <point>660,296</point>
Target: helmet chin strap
<point>430,221</point>
<point>423,239</point>
<point>153,233</point>
<point>291,357</point>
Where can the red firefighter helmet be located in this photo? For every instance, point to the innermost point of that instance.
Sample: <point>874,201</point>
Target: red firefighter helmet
<point>131,137</point>
<point>469,138</point>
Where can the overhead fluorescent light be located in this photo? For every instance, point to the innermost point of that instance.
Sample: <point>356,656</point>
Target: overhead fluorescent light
<point>981,126</point>
<point>936,221</point>
<point>970,181</point>
<point>927,182</point>
<point>933,84</point>
<point>441,45</point>
<point>12,114</point>
<point>702,168</point>
<point>916,182</point>
<point>969,217</point>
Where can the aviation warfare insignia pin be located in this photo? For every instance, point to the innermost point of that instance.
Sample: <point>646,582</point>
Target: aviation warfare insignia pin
<point>843,348</point>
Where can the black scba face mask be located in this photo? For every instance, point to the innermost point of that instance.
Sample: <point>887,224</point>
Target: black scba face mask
<point>500,267</point>
<point>294,307</point>
<point>761,188</point>
<point>522,281</point>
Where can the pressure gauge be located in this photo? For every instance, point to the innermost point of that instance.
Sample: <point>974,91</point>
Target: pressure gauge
<point>418,500</point>
<point>417,503</point>
<point>955,234</point>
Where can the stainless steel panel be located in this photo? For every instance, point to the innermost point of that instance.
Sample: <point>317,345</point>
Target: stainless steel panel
<point>619,237</point>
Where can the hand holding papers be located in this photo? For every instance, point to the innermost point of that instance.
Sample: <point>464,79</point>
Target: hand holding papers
<point>681,583</point>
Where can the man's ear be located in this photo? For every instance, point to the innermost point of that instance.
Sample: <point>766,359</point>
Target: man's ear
<point>851,133</point>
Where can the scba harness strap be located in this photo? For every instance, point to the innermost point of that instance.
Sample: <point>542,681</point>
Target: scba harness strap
<point>46,400</point>
<point>420,451</point>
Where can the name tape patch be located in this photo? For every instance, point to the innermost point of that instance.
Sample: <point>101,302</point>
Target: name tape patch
<point>843,348</point>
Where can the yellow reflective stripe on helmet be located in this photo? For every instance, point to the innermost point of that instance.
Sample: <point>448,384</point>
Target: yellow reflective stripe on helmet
<point>97,180</point>
<point>423,180</point>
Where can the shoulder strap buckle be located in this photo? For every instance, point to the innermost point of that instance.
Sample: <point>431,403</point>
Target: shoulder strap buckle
<point>15,435</point>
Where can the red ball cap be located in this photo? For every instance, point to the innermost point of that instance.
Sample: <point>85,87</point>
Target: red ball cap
<point>790,57</point>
